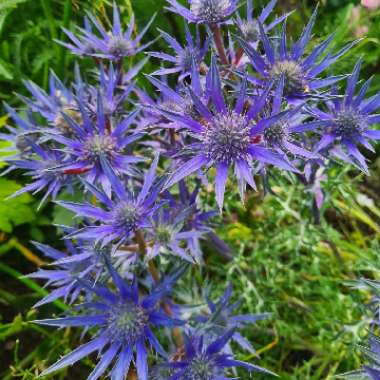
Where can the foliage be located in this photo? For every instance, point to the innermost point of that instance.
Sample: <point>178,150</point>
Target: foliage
<point>283,263</point>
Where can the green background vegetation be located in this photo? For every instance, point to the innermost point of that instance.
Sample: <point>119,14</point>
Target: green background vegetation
<point>283,264</point>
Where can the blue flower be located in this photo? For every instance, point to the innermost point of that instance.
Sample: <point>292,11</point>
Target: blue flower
<point>120,216</point>
<point>205,11</point>
<point>225,136</point>
<point>184,55</point>
<point>19,138</point>
<point>347,123</point>
<point>94,141</point>
<point>220,318</point>
<point>301,73</point>
<point>113,45</point>
<point>249,27</point>
<point>114,89</point>
<point>207,361</point>
<point>124,321</point>
<point>83,262</point>
<point>40,165</point>
<point>58,99</point>
<point>169,234</point>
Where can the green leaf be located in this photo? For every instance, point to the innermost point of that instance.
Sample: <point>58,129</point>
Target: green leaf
<point>5,70</point>
<point>8,4</point>
<point>15,211</point>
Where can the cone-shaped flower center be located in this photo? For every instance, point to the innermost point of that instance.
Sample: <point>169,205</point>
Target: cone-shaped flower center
<point>120,47</point>
<point>126,216</point>
<point>96,146</point>
<point>250,30</point>
<point>226,138</point>
<point>200,368</point>
<point>62,124</point>
<point>126,322</point>
<point>276,134</point>
<point>293,75</point>
<point>210,10</point>
<point>163,234</point>
<point>349,123</point>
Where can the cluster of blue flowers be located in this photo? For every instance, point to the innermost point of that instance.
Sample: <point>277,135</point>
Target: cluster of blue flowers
<point>246,100</point>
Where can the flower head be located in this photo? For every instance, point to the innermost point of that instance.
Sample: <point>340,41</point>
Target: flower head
<point>205,11</point>
<point>225,136</point>
<point>249,28</point>
<point>94,141</point>
<point>122,215</point>
<point>170,233</point>
<point>220,318</point>
<point>113,45</point>
<point>301,73</point>
<point>203,361</point>
<point>40,165</point>
<point>183,55</point>
<point>347,123</point>
<point>82,262</point>
<point>124,321</point>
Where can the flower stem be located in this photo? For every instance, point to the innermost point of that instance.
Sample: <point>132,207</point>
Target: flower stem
<point>217,33</point>
<point>239,56</point>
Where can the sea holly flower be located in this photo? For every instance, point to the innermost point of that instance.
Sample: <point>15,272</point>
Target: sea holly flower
<point>40,165</point>
<point>95,140</point>
<point>114,90</point>
<point>281,134</point>
<point>113,45</point>
<point>207,361</point>
<point>183,55</point>
<point>209,12</point>
<point>19,138</point>
<point>221,318</point>
<point>168,234</point>
<point>59,99</point>
<point>347,123</point>
<point>225,137</point>
<point>80,262</point>
<point>301,72</point>
<point>249,27</point>
<point>124,321</point>
<point>120,216</point>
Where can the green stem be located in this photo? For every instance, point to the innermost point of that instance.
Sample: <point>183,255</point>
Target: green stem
<point>30,284</point>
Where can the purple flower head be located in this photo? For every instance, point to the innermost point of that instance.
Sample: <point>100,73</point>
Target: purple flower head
<point>114,89</point>
<point>50,105</point>
<point>83,262</point>
<point>19,138</point>
<point>249,28</point>
<point>209,12</point>
<point>170,234</point>
<point>41,167</point>
<point>113,45</point>
<point>348,122</point>
<point>301,72</point>
<point>120,216</point>
<point>225,137</point>
<point>281,134</point>
<point>94,141</point>
<point>183,55</point>
<point>204,361</point>
<point>220,318</point>
<point>124,322</point>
